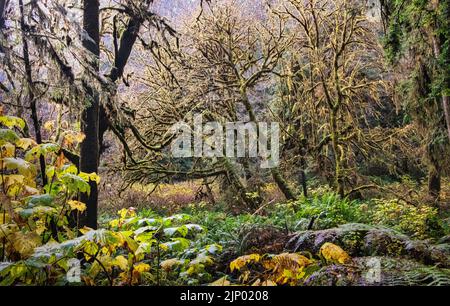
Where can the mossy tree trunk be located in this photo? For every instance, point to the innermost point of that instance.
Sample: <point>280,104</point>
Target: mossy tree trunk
<point>89,151</point>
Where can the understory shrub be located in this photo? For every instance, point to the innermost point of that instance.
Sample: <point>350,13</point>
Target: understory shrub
<point>417,221</point>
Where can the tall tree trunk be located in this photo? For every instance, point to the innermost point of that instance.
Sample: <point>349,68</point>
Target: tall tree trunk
<point>89,151</point>
<point>31,96</point>
<point>126,43</point>
<point>303,176</point>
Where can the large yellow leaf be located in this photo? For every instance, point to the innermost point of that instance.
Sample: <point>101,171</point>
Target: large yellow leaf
<point>25,143</point>
<point>137,271</point>
<point>242,261</point>
<point>13,179</point>
<point>121,262</point>
<point>142,267</point>
<point>89,177</point>
<point>11,121</point>
<point>76,205</point>
<point>169,264</point>
<point>334,253</point>
<point>25,243</point>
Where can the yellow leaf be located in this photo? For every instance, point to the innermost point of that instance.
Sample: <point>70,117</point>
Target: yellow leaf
<point>79,137</point>
<point>242,261</point>
<point>77,205</point>
<point>25,143</point>
<point>24,244</point>
<point>334,253</point>
<point>40,227</point>
<point>114,223</point>
<point>289,261</point>
<point>121,262</point>
<point>73,137</point>
<point>14,190</point>
<point>8,150</point>
<point>142,267</point>
<point>85,229</point>
<point>11,121</point>
<point>13,179</point>
<point>168,264</point>
<point>124,212</point>
<point>88,280</point>
<point>89,177</point>
<point>90,249</point>
<point>123,276</point>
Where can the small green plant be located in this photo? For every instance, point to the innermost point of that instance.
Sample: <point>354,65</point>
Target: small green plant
<point>329,210</point>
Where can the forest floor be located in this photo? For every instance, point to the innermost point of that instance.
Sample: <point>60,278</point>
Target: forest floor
<point>390,241</point>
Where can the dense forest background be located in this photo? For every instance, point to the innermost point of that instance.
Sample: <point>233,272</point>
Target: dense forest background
<point>90,91</point>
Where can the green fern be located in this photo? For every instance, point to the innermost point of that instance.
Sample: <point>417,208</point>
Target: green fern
<point>431,276</point>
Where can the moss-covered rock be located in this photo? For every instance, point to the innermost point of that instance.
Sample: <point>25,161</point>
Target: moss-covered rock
<point>379,271</point>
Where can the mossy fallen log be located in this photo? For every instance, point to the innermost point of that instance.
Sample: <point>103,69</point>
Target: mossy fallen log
<point>365,240</point>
